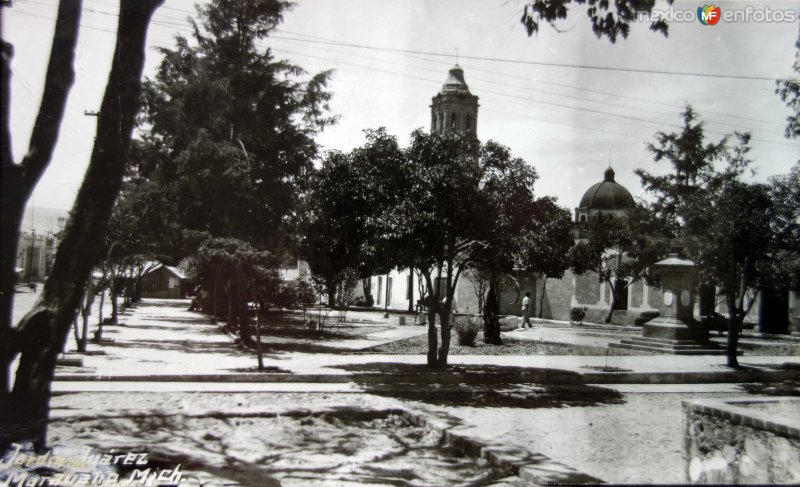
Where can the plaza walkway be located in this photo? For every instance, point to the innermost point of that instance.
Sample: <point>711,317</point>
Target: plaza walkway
<point>160,340</point>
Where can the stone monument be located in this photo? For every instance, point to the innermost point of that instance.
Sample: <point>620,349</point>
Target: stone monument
<point>674,330</point>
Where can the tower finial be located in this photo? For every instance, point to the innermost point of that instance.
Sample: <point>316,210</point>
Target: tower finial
<point>456,56</point>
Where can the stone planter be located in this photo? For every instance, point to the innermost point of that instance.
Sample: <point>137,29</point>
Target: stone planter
<point>742,441</point>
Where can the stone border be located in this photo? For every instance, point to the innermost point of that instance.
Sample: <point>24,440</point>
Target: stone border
<point>532,467</point>
<point>531,376</point>
<point>726,409</point>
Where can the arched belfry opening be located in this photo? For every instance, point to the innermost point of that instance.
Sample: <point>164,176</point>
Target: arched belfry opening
<point>454,107</point>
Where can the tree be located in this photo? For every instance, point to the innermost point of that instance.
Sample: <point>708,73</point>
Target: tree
<point>19,180</point>
<point>606,22</point>
<point>725,224</point>
<point>789,91</point>
<point>546,242</point>
<point>460,208</point>
<point>617,249</point>
<point>785,193</point>
<point>433,227</point>
<point>507,206</point>
<point>235,274</point>
<point>328,240</point>
<point>144,231</point>
<point>229,129</point>
<point>343,200</point>
<point>734,251</point>
<point>39,337</point>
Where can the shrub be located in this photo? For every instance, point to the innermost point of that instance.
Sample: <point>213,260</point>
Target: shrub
<point>467,332</point>
<point>576,315</point>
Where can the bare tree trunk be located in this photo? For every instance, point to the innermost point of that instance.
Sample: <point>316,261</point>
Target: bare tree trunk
<point>43,331</point>
<point>219,293</point>
<point>114,306</point>
<point>541,300</point>
<point>259,352</point>
<point>243,307</point>
<point>212,292</point>
<point>99,334</point>
<point>444,348</point>
<point>433,303</point>
<point>491,311</point>
<point>86,312</point>
<point>331,291</point>
<point>18,180</point>
<point>76,331</point>
<point>613,302</point>
<point>433,338</point>
<point>410,291</point>
<point>733,331</point>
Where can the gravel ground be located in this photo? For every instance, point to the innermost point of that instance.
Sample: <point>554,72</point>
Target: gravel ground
<point>511,346</point>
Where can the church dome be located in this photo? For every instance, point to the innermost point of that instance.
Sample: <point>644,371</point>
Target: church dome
<point>607,195</point>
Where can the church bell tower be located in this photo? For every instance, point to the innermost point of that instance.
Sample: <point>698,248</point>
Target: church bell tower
<point>454,107</point>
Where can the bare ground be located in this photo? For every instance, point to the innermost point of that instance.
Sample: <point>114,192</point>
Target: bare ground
<point>511,346</point>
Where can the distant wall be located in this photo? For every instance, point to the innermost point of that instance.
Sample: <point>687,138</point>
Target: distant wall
<point>557,297</point>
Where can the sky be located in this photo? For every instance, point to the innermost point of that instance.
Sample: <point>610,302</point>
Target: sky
<point>565,101</point>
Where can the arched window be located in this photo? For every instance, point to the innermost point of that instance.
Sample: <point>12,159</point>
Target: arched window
<point>468,123</point>
<point>453,120</point>
<point>583,218</point>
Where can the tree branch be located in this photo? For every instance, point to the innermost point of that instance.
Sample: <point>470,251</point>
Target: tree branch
<point>58,81</point>
<point>5,108</point>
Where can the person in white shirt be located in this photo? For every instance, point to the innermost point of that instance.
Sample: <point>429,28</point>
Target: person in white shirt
<point>526,310</point>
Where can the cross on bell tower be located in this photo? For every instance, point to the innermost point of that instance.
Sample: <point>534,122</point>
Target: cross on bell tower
<point>454,107</point>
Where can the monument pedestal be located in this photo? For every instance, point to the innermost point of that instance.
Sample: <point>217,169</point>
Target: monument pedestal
<point>675,330</point>
<point>667,328</point>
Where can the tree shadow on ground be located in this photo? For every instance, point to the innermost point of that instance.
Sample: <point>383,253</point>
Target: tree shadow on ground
<point>481,386</point>
<point>298,333</point>
<point>347,445</point>
<point>523,396</point>
<point>162,303</point>
<point>187,327</point>
<point>283,347</point>
<point>205,320</point>
<point>418,345</point>
<point>268,369</point>
<point>786,388</point>
<point>187,346</point>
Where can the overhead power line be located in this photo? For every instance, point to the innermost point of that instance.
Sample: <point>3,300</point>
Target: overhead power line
<point>615,105</point>
<point>534,63</point>
<point>594,112</point>
<point>321,41</point>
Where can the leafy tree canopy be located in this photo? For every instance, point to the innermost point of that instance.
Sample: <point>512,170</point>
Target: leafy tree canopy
<point>229,128</point>
<point>789,91</point>
<point>609,19</point>
<point>340,209</point>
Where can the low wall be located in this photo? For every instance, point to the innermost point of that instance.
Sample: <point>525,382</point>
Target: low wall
<point>742,441</point>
